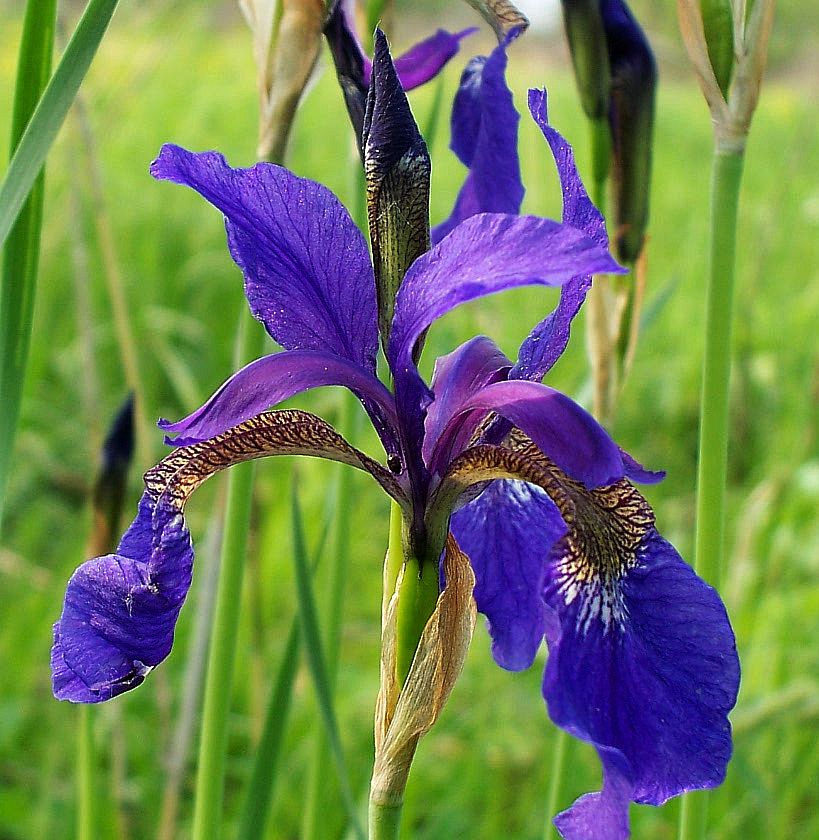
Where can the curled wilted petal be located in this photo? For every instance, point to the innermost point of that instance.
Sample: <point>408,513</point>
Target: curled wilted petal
<point>404,715</point>
<point>397,169</point>
<point>502,16</point>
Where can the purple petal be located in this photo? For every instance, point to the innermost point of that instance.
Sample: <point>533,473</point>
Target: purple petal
<point>308,276</point>
<point>547,341</point>
<point>562,430</point>
<point>602,815</point>
<point>457,376</point>
<point>637,472</point>
<point>649,681</point>
<point>485,254</point>
<point>426,59</point>
<point>485,139</point>
<point>507,533</point>
<point>120,611</point>
<point>275,378</point>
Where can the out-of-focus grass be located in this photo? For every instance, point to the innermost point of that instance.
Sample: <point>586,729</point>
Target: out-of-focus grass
<point>187,77</point>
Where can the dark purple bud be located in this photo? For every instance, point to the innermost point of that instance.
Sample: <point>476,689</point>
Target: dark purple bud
<point>397,170</point>
<point>631,119</point>
<point>586,35</point>
<point>109,487</point>
<point>351,65</point>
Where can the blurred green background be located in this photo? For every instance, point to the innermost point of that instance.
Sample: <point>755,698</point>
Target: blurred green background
<point>183,72</point>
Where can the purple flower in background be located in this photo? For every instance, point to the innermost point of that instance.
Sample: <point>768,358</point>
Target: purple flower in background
<point>642,662</point>
<point>418,65</point>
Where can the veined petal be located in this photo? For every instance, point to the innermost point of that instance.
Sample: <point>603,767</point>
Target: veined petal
<point>308,276</point>
<point>120,610</point>
<point>457,376</point>
<point>643,665</point>
<point>272,379</point>
<point>485,139</point>
<point>547,341</point>
<point>507,533</point>
<point>485,254</point>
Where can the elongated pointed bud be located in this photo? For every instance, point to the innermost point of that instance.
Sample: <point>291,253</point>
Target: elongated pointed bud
<point>286,43</point>
<point>397,169</point>
<point>718,26</point>
<point>586,37</point>
<point>502,16</point>
<point>631,119</point>
<point>350,63</point>
<point>111,480</point>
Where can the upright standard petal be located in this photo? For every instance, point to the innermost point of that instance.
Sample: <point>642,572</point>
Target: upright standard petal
<point>457,377</point>
<point>485,254</point>
<point>485,139</point>
<point>547,341</point>
<point>642,662</point>
<point>120,610</point>
<point>308,276</point>
<point>272,379</point>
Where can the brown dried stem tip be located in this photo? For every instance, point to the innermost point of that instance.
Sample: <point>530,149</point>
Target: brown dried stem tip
<point>286,42</point>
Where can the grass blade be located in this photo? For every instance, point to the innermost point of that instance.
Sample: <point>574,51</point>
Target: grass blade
<point>265,765</point>
<point>22,251</point>
<point>316,659</point>
<point>51,110</point>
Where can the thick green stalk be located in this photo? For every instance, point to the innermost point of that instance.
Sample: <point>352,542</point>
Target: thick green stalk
<point>417,596</point>
<point>22,250</point>
<point>219,680</point>
<point>86,795</point>
<point>713,453</point>
<point>384,821</point>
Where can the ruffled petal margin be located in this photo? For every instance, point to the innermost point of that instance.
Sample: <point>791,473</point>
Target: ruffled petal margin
<point>650,689</point>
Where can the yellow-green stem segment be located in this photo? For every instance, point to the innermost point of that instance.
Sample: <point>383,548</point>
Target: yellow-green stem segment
<point>713,452</point>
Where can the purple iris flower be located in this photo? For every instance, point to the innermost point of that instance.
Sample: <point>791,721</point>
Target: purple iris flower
<point>421,63</point>
<point>642,661</point>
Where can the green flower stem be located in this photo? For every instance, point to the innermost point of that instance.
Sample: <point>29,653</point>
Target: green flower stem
<point>395,556</point>
<point>86,794</point>
<point>384,821</point>
<point>417,597</point>
<point>219,679</point>
<point>713,453</point>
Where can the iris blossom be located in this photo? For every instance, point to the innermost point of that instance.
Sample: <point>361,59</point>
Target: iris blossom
<point>642,661</point>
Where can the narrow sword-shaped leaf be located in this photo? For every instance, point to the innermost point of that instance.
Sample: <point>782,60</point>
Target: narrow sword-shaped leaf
<point>51,111</point>
<point>21,254</point>
<point>315,657</point>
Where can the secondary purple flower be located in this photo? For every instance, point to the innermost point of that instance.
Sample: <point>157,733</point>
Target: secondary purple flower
<point>354,68</point>
<point>561,542</point>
